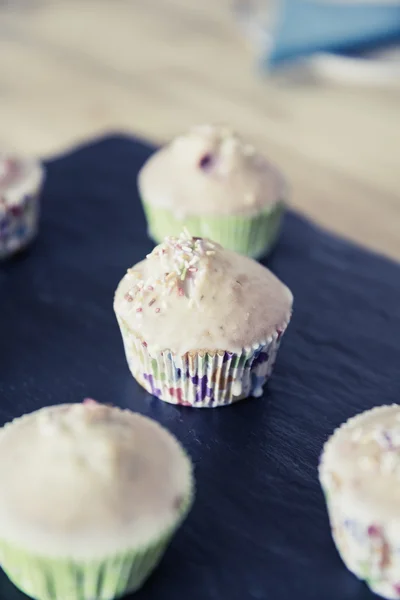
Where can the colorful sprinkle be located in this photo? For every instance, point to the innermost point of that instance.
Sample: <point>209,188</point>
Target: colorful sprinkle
<point>184,263</point>
<point>374,531</point>
<point>205,162</point>
<point>89,402</point>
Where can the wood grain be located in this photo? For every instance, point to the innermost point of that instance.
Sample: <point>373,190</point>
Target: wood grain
<point>70,70</point>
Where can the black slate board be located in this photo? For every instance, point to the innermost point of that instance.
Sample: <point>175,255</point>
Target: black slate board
<point>258,530</point>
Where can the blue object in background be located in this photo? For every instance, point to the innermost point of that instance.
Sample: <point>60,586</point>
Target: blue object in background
<point>305,27</point>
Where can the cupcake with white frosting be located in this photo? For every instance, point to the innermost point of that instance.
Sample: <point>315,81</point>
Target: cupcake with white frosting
<point>20,185</point>
<point>360,476</point>
<point>201,325</point>
<point>216,185</point>
<point>90,497</point>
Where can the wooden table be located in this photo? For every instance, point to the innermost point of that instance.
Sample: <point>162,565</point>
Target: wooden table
<point>73,69</point>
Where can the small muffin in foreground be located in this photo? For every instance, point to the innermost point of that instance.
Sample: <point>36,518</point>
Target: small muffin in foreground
<point>20,185</point>
<point>201,325</point>
<point>90,496</point>
<point>360,477</point>
<point>217,186</point>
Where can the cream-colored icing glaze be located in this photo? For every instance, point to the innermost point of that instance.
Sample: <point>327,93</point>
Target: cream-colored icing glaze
<point>361,465</point>
<point>236,179</point>
<point>88,479</point>
<point>18,177</point>
<point>190,294</point>
<point>360,475</point>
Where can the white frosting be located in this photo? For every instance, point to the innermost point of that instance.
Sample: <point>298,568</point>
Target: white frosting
<point>191,294</point>
<point>210,170</point>
<point>87,480</point>
<point>18,178</point>
<point>360,475</point>
<point>363,458</point>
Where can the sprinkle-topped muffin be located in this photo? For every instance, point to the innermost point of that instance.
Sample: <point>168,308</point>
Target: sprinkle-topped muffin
<point>91,492</point>
<point>20,184</point>
<point>218,186</point>
<point>360,476</point>
<point>201,324</point>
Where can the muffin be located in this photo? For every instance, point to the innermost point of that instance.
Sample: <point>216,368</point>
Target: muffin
<point>360,476</point>
<point>90,497</point>
<point>217,186</point>
<point>201,325</point>
<point>20,185</point>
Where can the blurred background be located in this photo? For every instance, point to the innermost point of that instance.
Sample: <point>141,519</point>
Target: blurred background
<point>76,69</point>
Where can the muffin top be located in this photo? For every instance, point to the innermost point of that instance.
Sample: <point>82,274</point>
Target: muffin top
<point>210,171</point>
<point>190,294</point>
<point>17,178</point>
<point>361,464</point>
<point>89,479</point>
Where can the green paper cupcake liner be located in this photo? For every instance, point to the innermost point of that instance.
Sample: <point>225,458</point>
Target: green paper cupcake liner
<point>201,379</point>
<point>251,235</point>
<point>49,579</point>
<point>68,578</point>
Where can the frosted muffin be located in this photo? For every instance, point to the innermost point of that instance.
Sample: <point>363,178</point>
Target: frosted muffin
<point>217,186</point>
<point>89,500</point>
<point>360,476</point>
<point>201,325</point>
<point>20,185</point>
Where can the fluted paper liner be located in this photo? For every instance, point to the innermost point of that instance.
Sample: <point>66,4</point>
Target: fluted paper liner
<point>251,235</point>
<point>201,379</point>
<point>19,222</point>
<point>45,578</point>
